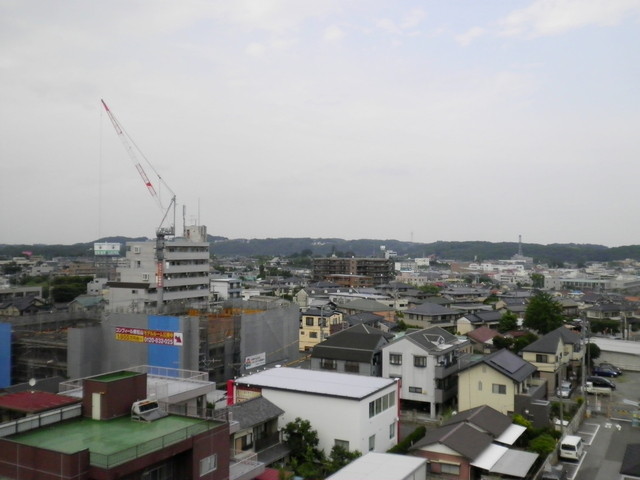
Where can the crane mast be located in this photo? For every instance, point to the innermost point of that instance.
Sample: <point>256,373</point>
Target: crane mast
<point>161,232</point>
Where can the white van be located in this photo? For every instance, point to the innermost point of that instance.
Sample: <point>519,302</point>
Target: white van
<point>571,447</point>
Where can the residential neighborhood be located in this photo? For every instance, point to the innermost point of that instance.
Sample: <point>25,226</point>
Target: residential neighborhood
<point>322,370</point>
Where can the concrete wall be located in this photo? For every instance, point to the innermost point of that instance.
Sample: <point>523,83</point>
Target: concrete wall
<point>95,350</point>
<point>273,331</point>
<point>84,351</point>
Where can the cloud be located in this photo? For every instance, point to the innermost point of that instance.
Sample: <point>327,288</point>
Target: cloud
<point>333,33</point>
<point>404,27</point>
<point>554,17</point>
<point>467,37</point>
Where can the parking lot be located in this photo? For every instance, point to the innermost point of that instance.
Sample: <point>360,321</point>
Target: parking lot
<point>607,431</point>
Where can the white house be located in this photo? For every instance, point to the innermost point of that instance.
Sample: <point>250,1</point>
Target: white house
<point>354,411</point>
<point>427,362</point>
<point>383,466</point>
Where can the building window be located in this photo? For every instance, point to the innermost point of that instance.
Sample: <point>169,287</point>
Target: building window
<point>208,464</point>
<point>372,442</point>
<point>328,364</point>
<point>313,334</point>
<point>415,389</point>
<point>479,385</point>
<point>419,361</point>
<point>541,358</point>
<point>309,321</point>
<point>499,388</point>
<point>395,358</point>
<point>145,277</point>
<point>392,430</point>
<point>341,443</point>
<point>352,367</point>
<point>450,469</point>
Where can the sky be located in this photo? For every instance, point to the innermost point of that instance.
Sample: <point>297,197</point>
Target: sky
<point>451,120</point>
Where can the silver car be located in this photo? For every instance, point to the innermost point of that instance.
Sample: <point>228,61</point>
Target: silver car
<point>565,389</point>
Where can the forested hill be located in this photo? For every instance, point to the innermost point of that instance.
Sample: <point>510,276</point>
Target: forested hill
<point>553,254</point>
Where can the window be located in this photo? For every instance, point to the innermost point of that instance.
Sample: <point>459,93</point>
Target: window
<point>313,334</point>
<point>136,249</point>
<point>351,367</point>
<point>419,361</point>
<point>541,358</point>
<point>450,469</point>
<point>328,364</point>
<point>372,409</point>
<point>395,358</point>
<point>479,385</point>
<point>415,389</point>
<point>309,321</point>
<point>392,430</point>
<point>341,443</point>
<point>208,464</point>
<point>499,388</point>
<point>145,277</point>
<point>372,442</point>
<point>392,399</point>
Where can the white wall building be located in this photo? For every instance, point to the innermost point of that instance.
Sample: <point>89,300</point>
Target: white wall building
<point>354,411</point>
<point>184,275</point>
<point>383,466</point>
<point>427,363</point>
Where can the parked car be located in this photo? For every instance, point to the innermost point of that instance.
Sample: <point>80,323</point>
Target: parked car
<point>603,371</point>
<point>610,366</point>
<point>565,389</point>
<point>599,385</point>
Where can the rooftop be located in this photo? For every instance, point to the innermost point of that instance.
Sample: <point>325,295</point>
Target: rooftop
<point>317,382</point>
<point>114,441</point>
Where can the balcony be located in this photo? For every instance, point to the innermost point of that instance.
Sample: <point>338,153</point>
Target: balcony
<point>446,370</point>
<point>442,396</point>
<point>244,466</point>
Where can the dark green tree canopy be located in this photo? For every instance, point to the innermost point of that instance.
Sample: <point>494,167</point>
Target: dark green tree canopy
<point>543,313</point>
<point>508,322</point>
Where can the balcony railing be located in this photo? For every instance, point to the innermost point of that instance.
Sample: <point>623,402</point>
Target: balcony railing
<point>244,466</point>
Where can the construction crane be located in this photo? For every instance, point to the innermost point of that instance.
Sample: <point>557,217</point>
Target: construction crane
<point>162,231</point>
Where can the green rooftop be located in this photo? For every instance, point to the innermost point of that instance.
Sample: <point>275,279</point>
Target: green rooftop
<point>112,442</point>
<point>112,377</point>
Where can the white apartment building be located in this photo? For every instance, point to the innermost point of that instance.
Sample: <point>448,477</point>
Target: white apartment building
<point>355,411</point>
<point>182,277</point>
<point>226,287</point>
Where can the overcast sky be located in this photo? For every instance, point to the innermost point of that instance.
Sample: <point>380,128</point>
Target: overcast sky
<point>400,119</point>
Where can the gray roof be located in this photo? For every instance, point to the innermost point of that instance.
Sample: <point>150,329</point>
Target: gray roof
<point>463,438</point>
<point>549,342</point>
<point>484,316</point>
<point>509,364</point>
<point>366,305</point>
<point>431,309</point>
<point>358,344</point>
<point>363,317</point>
<point>430,338</point>
<point>484,417</point>
<point>254,412</point>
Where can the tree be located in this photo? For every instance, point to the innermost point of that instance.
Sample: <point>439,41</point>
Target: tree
<point>537,280</point>
<point>524,340</point>
<point>543,313</point>
<point>508,322</point>
<point>593,353</point>
<point>543,444</point>
<point>501,342</point>
<point>430,289</point>
<point>338,458</point>
<point>302,440</point>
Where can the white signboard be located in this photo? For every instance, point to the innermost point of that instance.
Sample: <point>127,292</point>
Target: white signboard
<point>255,360</point>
